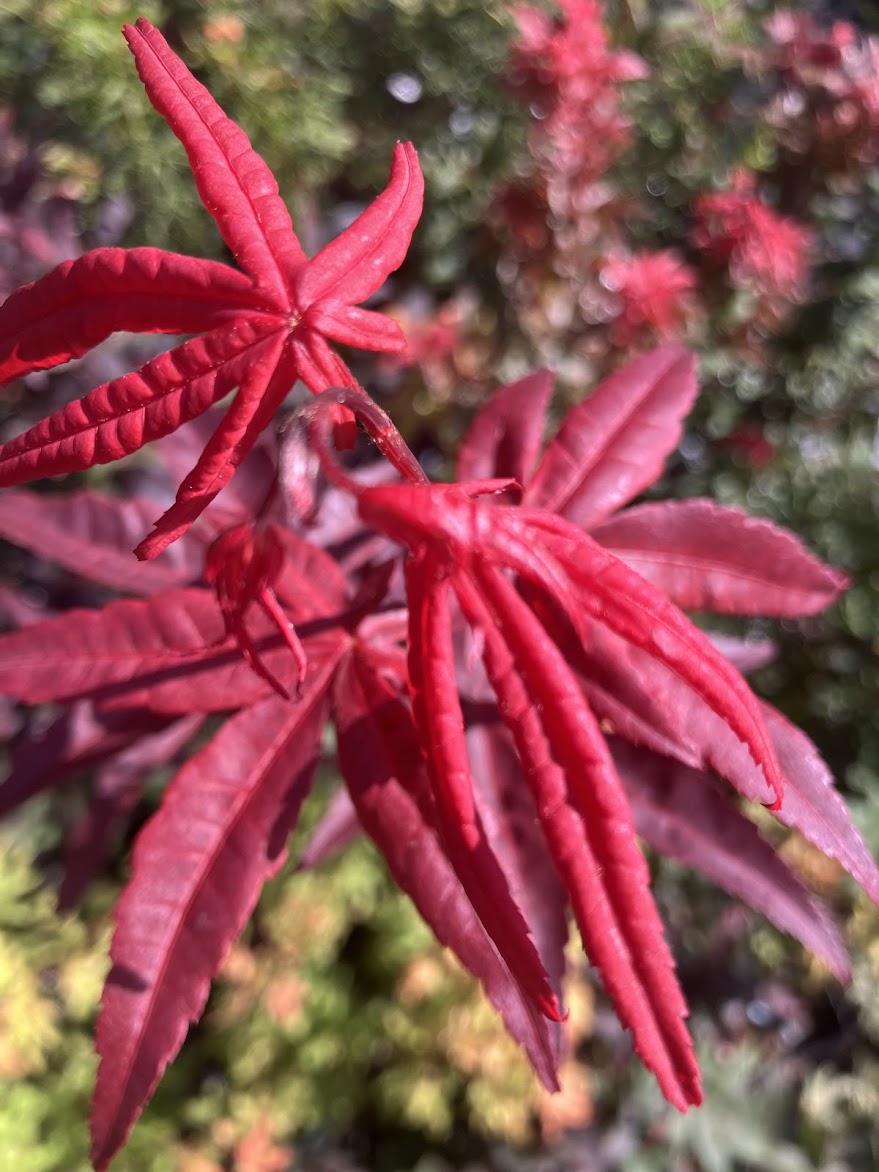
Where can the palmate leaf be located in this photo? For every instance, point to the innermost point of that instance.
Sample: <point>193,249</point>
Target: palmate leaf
<point>461,545</point>
<point>569,588</point>
<point>198,869</point>
<point>264,328</point>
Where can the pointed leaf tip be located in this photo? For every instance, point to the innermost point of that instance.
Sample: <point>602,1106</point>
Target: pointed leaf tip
<point>358,262</point>
<point>234,182</point>
<point>717,558</point>
<point>612,446</point>
<point>505,437</point>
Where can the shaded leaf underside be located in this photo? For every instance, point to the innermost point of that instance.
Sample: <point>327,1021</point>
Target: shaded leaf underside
<point>198,868</point>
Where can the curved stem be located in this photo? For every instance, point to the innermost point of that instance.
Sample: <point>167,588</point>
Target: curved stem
<point>378,424</point>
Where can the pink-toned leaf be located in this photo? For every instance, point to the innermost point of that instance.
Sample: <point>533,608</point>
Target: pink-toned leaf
<point>118,418</point>
<point>94,535</point>
<point>506,436</point>
<point>198,869</point>
<point>378,754</point>
<point>234,183</point>
<point>358,262</point>
<point>117,789</point>
<point>685,816</point>
<point>142,290</point>
<point>78,740</point>
<point>813,806</point>
<point>614,444</point>
<point>264,387</point>
<point>588,827</point>
<point>708,557</point>
<point>168,653</point>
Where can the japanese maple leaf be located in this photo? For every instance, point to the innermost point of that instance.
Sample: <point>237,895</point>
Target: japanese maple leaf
<point>702,557</point>
<point>260,329</point>
<point>572,596</point>
<point>462,547</point>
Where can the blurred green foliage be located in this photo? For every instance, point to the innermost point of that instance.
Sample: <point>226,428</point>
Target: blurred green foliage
<point>323,89</point>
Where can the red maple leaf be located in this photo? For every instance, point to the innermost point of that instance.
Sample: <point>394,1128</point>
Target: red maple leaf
<point>585,639</point>
<point>261,328</point>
